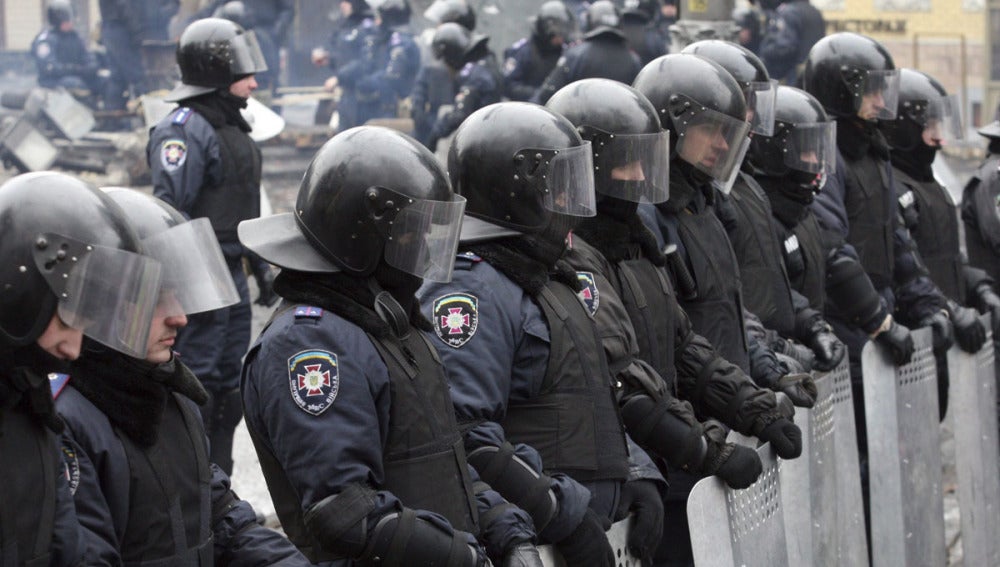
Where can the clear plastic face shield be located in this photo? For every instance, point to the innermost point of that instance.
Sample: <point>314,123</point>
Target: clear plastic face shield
<point>640,170</point>
<point>711,141</point>
<point>761,96</point>
<point>879,93</point>
<point>107,293</point>
<point>195,275</point>
<point>247,57</point>
<point>423,237</point>
<point>943,123</point>
<point>726,185</point>
<point>565,178</point>
<point>812,147</point>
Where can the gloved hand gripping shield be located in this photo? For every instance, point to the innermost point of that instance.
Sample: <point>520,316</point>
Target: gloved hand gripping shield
<point>710,141</point>
<point>639,164</point>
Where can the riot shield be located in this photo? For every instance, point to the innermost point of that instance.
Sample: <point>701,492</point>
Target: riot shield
<point>904,456</point>
<point>617,537</point>
<point>749,520</point>
<point>973,395</point>
<point>852,541</point>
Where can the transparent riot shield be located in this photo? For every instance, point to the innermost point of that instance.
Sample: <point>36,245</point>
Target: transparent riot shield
<point>904,456</point>
<point>617,537</point>
<point>852,541</point>
<point>749,520</point>
<point>973,394</point>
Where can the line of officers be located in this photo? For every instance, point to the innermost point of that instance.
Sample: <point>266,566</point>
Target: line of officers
<point>553,333</point>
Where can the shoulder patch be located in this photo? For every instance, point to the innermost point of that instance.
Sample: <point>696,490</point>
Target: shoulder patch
<point>42,50</point>
<point>183,115</point>
<point>509,65</point>
<point>466,69</point>
<point>589,295</point>
<point>71,467</point>
<point>57,382</point>
<point>173,154</point>
<point>314,380</point>
<point>396,38</point>
<point>471,256</point>
<point>309,312</point>
<point>456,318</point>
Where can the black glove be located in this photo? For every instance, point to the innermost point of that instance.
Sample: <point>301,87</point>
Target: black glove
<point>941,330</point>
<point>829,350</point>
<point>989,302</point>
<point>588,545</point>
<point>800,388</point>
<point>523,554</point>
<point>899,342</point>
<point>736,465</point>
<point>784,436</point>
<point>970,334</point>
<point>642,498</point>
<point>797,352</point>
<point>265,284</point>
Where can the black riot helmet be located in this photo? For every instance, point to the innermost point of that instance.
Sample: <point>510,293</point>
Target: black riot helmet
<point>58,11</point>
<point>457,11</point>
<point>518,164</point>
<point>213,53</point>
<point>393,13</point>
<point>453,43</point>
<point>803,148</point>
<point>370,195</point>
<point>843,68</point>
<point>749,72</point>
<point>923,105</point>
<point>631,151</point>
<point>235,11</point>
<point>602,17</point>
<point>553,19</point>
<point>702,106</point>
<point>66,248</point>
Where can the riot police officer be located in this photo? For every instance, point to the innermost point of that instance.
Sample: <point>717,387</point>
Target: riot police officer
<point>134,446</point>
<point>982,225</point>
<point>530,60</point>
<point>270,20</point>
<point>793,27</point>
<point>70,265</point>
<point>204,164</point>
<point>347,44</point>
<point>640,24</point>
<point>458,11</point>
<point>347,403</point>
<point>477,80</point>
<point>603,53</point>
<point>61,56</point>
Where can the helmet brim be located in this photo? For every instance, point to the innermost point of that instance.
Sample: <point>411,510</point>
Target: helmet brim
<point>991,130</point>
<point>183,91</point>
<point>279,240</point>
<point>477,230</point>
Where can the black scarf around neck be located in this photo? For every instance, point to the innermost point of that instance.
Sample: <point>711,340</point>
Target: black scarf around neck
<point>219,108</point>
<point>24,380</point>
<point>617,236</point>
<point>916,162</point>
<point>856,137</point>
<point>519,259</point>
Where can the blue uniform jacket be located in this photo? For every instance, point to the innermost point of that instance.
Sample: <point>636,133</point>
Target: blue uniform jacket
<point>63,60</point>
<point>477,85</point>
<point>525,68</point>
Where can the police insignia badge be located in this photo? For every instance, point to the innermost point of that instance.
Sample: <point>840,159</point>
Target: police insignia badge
<point>456,317</point>
<point>71,467</point>
<point>314,380</point>
<point>43,50</point>
<point>589,296</point>
<point>172,154</point>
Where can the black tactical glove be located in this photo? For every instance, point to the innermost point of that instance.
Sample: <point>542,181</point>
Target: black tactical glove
<point>801,354</point>
<point>800,389</point>
<point>970,334</point>
<point>523,554</point>
<point>899,342</point>
<point>265,284</point>
<point>829,350</point>
<point>784,436</point>
<point>941,330</point>
<point>736,465</point>
<point>989,302</point>
<point>587,545</point>
<point>642,498</point>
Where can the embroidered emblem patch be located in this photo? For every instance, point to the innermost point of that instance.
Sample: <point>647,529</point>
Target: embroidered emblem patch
<point>314,380</point>
<point>456,318</point>
<point>589,295</point>
<point>71,467</point>
<point>173,153</point>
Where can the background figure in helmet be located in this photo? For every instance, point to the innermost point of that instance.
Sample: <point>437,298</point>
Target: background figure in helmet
<point>238,12</point>
<point>346,47</point>
<point>752,22</point>
<point>604,53</point>
<point>125,25</point>
<point>61,55</point>
<point>530,60</point>
<point>475,73</point>
<point>205,165</point>
<point>641,25</point>
<point>926,119</point>
<point>794,330</point>
<point>704,109</point>
<point>57,235</point>
<point>793,27</point>
<point>270,20</point>
<point>133,428</point>
<point>347,403</point>
<point>982,223</point>
<point>525,362</point>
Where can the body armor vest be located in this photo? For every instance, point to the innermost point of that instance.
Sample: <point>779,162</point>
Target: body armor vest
<point>982,254</point>
<point>868,199</point>
<point>237,197</point>
<point>810,279</point>
<point>573,423</point>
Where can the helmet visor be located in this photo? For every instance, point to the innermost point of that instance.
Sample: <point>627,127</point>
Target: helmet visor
<point>812,147</point>
<point>423,238</point>
<point>569,182</point>
<point>107,293</point>
<point>761,96</point>
<point>247,57</point>
<point>195,273</point>
<point>944,120</point>
<point>880,95</point>
<point>640,167</point>
<point>726,185</point>
<point>711,141</point>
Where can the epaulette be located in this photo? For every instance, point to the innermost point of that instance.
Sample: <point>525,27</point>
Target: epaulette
<point>308,312</point>
<point>183,115</point>
<point>57,382</point>
<point>466,260</point>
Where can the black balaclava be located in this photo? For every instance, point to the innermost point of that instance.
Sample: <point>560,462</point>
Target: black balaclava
<point>220,108</point>
<point>856,137</point>
<point>916,162</point>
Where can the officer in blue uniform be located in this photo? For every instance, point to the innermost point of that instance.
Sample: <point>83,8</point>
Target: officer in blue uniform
<point>61,56</point>
<point>530,60</point>
<point>205,165</point>
<point>603,53</point>
<point>58,235</point>
<point>793,27</point>
<point>477,78</point>
<point>134,446</point>
<point>346,400</point>
<point>346,45</point>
